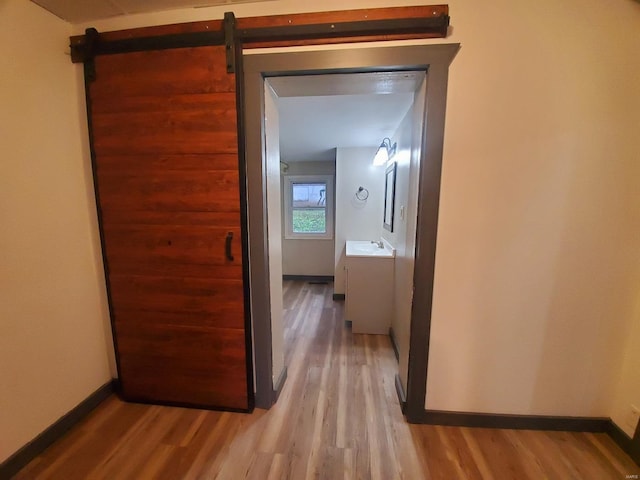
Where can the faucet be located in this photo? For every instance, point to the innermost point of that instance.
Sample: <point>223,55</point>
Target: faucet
<point>379,244</point>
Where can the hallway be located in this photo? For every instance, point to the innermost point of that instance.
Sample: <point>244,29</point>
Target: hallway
<point>337,417</point>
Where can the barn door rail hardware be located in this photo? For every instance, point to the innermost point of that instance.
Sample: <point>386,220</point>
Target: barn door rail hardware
<point>94,45</point>
<point>232,35</point>
<point>397,26</point>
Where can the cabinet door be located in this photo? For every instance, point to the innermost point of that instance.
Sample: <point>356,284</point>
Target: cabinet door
<point>165,145</point>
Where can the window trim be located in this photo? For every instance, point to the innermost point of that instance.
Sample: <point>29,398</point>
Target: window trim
<point>289,181</point>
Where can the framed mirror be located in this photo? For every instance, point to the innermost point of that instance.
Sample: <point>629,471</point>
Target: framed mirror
<point>389,196</point>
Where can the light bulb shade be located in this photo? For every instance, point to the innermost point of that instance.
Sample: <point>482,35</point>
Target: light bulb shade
<point>382,156</point>
<point>385,152</point>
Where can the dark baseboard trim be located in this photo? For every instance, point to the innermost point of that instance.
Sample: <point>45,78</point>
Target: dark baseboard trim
<point>338,296</point>
<point>631,446</point>
<point>35,447</point>
<point>277,388</point>
<point>518,422</point>
<point>402,397</point>
<point>309,278</point>
<point>394,343</point>
<point>200,406</point>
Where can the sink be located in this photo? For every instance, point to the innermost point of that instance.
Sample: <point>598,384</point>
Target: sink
<point>366,248</point>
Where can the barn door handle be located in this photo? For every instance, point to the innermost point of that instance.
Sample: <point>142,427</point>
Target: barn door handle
<point>228,246</point>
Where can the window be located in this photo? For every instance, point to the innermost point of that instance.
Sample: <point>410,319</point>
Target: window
<point>308,202</point>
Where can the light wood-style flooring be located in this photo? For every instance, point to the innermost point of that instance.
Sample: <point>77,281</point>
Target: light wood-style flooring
<point>337,418</point>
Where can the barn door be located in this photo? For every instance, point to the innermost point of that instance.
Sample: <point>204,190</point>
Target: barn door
<point>165,148</point>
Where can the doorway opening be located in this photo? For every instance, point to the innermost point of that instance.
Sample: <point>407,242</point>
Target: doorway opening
<point>261,166</point>
<point>323,132</point>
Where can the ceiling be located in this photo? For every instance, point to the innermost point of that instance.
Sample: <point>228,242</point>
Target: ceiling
<point>321,112</point>
<point>78,11</point>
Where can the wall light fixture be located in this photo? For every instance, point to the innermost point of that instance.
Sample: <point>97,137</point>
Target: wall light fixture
<point>385,151</point>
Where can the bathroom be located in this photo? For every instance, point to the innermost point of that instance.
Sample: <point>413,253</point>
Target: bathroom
<point>331,127</point>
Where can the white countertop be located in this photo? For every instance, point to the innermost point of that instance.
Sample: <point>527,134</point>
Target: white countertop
<point>367,248</point>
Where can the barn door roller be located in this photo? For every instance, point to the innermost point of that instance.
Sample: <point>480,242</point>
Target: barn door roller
<point>230,40</point>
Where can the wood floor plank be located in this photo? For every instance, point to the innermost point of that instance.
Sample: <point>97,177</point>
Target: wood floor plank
<point>276,467</point>
<point>337,417</point>
<point>538,445</point>
<point>618,459</point>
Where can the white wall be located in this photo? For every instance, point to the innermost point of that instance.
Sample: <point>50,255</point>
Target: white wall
<point>274,227</point>
<point>53,316</point>
<point>355,219</point>
<point>403,238</point>
<point>308,256</point>
<point>536,270</point>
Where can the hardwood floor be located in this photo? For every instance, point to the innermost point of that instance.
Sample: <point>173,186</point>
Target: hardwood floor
<point>337,418</point>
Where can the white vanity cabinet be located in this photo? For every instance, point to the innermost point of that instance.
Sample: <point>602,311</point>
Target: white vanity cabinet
<point>369,287</point>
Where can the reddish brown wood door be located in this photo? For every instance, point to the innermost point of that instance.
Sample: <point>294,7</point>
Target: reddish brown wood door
<point>165,148</point>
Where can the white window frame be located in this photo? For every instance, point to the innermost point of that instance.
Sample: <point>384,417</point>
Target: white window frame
<point>289,181</point>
